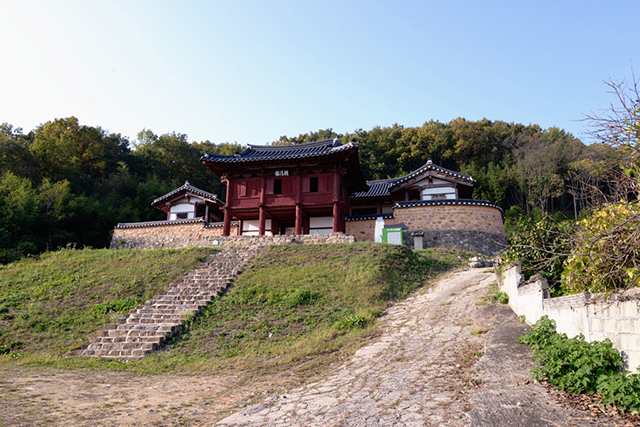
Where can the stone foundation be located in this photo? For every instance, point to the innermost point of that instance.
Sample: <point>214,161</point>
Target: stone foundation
<point>473,226</point>
<point>165,234</point>
<point>470,227</point>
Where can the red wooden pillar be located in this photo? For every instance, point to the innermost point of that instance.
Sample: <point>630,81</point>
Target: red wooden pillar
<point>298,219</point>
<point>263,213</point>
<point>336,200</point>
<point>262,220</point>
<point>299,202</point>
<point>226,226</point>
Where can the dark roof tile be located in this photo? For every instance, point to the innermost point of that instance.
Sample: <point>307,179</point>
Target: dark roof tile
<point>281,152</point>
<point>431,166</point>
<point>186,187</point>
<point>377,188</point>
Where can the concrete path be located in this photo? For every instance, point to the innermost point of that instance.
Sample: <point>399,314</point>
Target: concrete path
<point>421,371</point>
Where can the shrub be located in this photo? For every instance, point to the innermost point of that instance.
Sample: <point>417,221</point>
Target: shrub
<point>606,250</point>
<point>542,246</point>
<point>571,364</point>
<point>578,366</point>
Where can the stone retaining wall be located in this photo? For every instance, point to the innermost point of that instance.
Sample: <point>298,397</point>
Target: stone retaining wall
<point>466,227</point>
<point>592,315</point>
<point>166,235</point>
<point>472,228</point>
<point>182,235</point>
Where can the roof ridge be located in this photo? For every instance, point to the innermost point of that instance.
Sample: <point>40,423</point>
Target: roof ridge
<point>288,146</point>
<point>187,186</point>
<point>430,165</point>
<point>381,180</point>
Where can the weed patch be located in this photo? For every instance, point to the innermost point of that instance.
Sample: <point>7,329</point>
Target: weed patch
<point>577,366</point>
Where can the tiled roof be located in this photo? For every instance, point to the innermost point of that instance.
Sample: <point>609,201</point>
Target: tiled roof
<point>282,152</point>
<point>190,188</point>
<point>430,166</point>
<point>157,223</point>
<point>377,188</point>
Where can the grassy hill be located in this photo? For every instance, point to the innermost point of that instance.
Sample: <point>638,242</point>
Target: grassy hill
<point>295,309</point>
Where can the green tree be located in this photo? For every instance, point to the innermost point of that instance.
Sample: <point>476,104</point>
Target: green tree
<point>63,149</point>
<point>312,136</point>
<point>19,214</point>
<point>14,152</point>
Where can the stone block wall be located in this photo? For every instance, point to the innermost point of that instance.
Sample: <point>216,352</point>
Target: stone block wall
<point>592,315</point>
<point>485,219</point>
<point>467,227</point>
<point>166,235</point>
<point>362,230</point>
<point>199,234</point>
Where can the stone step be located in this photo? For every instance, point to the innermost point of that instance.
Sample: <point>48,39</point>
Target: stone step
<point>206,294</point>
<point>181,309</point>
<point>131,339</point>
<point>145,329</point>
<point>176,315</point>
<point>131,333</point>
<point>190,292</point>
<point>152,321</point>
<point>125,346</point>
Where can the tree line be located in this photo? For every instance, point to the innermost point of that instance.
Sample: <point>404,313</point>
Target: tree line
<point>67,183</point>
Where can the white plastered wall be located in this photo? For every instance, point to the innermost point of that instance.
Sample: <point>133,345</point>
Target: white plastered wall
<point>182,206</point>
<point>252,227</point>
<point>321,225</point>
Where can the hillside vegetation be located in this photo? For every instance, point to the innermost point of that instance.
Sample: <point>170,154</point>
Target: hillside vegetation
<point>295,309</point>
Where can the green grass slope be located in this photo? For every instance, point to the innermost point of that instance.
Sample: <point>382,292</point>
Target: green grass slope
<point>296,309</point>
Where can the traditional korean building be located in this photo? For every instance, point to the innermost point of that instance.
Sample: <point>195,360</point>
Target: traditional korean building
<point>289,189</point>
<point>427,183</point>
<point>297,192</point>
<point>189,202</point>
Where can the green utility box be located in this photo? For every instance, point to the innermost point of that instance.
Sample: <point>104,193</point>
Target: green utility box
<point>392,235</point>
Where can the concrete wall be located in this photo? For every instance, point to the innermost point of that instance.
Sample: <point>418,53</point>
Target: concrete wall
<point>182,235</point>
<point>592,315</point>
<point>467,227</point>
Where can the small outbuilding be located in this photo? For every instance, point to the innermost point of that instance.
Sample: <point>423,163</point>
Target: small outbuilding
<point>189,202</point>
<point>427,183</point>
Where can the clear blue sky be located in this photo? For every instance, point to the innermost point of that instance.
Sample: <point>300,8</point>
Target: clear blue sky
<point>251,71</point>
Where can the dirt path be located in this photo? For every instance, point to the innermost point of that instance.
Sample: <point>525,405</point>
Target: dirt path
<point>421,372</point>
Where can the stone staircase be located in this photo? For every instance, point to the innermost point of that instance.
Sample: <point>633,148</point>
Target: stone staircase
<point>145,329</point>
